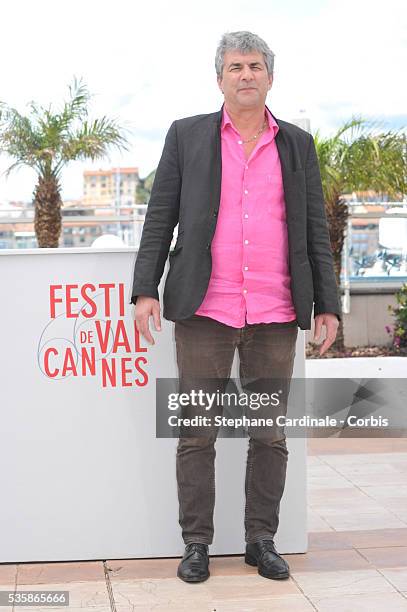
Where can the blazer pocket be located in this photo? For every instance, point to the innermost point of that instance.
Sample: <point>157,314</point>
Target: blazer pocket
<point>177,248</point>
<point>175,251</point>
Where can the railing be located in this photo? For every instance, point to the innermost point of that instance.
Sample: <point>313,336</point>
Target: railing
<point>380,259</point>
<point>367,264</point>
<point>80,226</point>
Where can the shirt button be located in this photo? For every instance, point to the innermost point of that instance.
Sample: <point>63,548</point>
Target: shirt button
<point>246,192</point>
<point>247,167</point>
<point>240,142</point>
<point>246,216</point>
<point>246,242</point>
<point>246,268</point>
<point>244,290</point>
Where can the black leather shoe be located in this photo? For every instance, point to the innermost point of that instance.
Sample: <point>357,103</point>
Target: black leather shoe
<point>194,566</point>
<point>270,564</point>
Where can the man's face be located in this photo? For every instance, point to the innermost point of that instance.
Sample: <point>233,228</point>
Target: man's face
<point>245,80</point>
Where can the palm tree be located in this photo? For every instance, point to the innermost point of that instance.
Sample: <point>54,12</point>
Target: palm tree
<point>46,141</point>
<point>356,158</point>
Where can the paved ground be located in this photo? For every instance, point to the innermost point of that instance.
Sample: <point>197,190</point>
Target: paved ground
<point>357,557</point>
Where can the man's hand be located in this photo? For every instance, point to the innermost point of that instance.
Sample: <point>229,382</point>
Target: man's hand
<point>331,323</point>
<point>145,308</point>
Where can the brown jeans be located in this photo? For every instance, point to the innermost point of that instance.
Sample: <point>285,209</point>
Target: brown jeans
<point>205,348</point>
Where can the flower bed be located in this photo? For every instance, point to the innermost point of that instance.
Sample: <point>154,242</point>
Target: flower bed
<point>312,352</point>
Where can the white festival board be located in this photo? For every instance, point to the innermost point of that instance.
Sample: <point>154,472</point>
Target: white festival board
<point>83,475</point>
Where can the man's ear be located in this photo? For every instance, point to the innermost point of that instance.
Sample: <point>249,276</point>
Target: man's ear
<point>270,81</point>
<point>219,80</point>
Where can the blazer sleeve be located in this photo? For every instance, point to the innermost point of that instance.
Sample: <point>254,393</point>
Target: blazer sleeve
<point>161,218</point>
<point>326,293</point>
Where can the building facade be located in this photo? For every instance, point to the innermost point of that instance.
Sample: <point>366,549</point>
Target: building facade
<point>115,187</point>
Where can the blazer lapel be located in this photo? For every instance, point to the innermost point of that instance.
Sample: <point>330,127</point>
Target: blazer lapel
<point>287,171</point>
<point>283,147</point>
<point>216,159</point>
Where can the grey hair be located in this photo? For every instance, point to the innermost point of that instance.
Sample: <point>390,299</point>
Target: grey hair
<point>244,42</point>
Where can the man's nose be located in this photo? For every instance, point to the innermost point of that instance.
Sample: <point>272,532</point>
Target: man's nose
<point>247,74</point>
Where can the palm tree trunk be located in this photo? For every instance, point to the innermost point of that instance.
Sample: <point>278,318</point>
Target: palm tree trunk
<point>47,219</point>
<point>337,216</point>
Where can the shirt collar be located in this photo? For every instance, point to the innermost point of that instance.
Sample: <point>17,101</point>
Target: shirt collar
<point>226,120</point>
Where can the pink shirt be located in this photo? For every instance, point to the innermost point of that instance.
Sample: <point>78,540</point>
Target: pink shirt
<point>250,279</point>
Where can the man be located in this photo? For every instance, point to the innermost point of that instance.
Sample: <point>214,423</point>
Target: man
<point>251,259</point>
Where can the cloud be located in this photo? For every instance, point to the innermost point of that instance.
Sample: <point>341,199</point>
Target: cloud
<point>151,63</point>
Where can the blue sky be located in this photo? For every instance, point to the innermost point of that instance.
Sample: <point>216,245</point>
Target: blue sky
<point>148,63</point>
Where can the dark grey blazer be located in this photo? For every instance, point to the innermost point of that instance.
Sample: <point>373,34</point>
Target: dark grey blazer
<point>187,190</point>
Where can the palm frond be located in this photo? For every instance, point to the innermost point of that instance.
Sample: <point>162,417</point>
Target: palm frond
<point>46,140</point>
<point>92,141</point>
<point>18,137</point>
<point>76,108</point>
<point>357,157</point>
